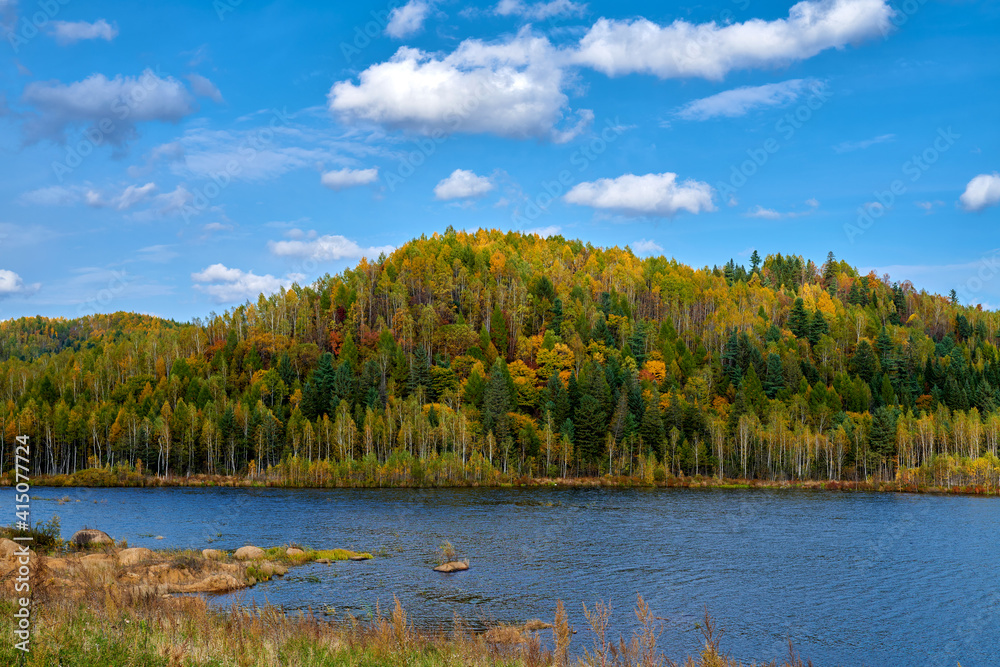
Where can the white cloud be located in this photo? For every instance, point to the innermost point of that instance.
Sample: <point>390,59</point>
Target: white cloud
<point>849,146</point>
<point>119,104</point>
<point>545,232</point>
<point>540,11</point>
<point>11,284</point>
<point>981,192</point>
<point>70,32</point>
<point>511,89</point>
<point>324,248</point>
<point>227,285</point>
<point>202,87</point>
<point>772,214</point>
<point>651,194</point>
<point>929,206</point>
<point>740,101</point>
<point>647,247</point>
<point>711,50</point>
<point>59,195</point>
<point>348,178</point>
<point>461,184</point>
<point>132,195</point>
<point>761,212</point>
<point>408,19</point>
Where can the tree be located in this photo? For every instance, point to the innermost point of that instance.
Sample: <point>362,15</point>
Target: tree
<point>651,429</point>
<point>774,381</point>
<point>818,327</point>
<point>754,261</point>
<point>798,319</point>
<point>497,402</point>
<point>863,362</point>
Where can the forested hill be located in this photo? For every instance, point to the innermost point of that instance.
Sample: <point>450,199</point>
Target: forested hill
<point>479,355</point>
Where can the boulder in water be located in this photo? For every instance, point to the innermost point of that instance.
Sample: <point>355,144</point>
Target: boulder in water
<point>453,566</point>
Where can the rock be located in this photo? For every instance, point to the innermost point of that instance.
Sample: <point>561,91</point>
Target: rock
<point>216,583</point>
<point>453,566</point>
<point>324,561</point>
<point>249,553</point>
<point>134,555</point>
<point>360,557</point>
<point>294,551</point>
<point>272,569</point>
<point>7,547</point>
<point>534,625</point>
<point>212,554</point>
<point>97,561</point>
<point>91,537</point>
<point>159,537</point>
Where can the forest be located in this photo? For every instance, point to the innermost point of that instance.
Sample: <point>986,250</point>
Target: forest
<point>488,356</point>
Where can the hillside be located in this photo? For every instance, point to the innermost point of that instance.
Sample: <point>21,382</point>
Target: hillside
<point>477,356</point>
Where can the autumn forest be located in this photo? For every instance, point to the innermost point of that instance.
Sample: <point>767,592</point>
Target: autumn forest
<point>487,357</point>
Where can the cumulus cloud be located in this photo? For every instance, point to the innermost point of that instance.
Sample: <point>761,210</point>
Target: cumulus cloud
<point>647,247</point>
<point>981,192</point>
<point>325,248</point>
<point>711,50</point>
<point>11,284</point>
<point>408,19</point>
<point>651,194</point>
<point>70,32</point>
<point>462,184</point>
<point>740,101</point>
<point>202,87</point>
<point>539,11</point>
<point>849,146</point>
<point>113,107</point>
<point>511,89</point>
<point>227,285</point>
<point>348,178</point>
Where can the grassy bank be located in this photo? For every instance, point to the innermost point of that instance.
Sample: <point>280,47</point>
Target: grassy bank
<point>113,628</point>
<point>105,478</point>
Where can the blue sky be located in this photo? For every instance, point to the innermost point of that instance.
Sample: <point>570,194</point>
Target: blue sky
<point>178,158</point>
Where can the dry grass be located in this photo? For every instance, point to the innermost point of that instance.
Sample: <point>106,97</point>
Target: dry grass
<point>112,626</point>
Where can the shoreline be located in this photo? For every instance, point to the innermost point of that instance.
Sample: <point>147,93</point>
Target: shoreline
<point>85,479</point>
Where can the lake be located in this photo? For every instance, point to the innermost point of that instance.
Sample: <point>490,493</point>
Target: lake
<point>850,578</point>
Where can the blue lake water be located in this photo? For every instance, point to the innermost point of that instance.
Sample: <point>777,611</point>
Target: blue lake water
<point>849,578</point>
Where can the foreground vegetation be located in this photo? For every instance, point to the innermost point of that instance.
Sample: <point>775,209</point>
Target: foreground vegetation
<point>482,358</point>
<point>113,628</point>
